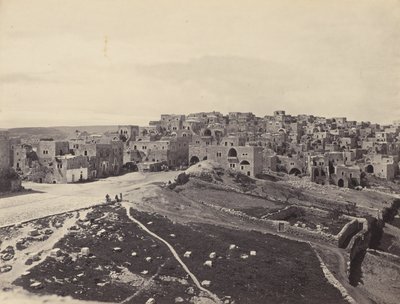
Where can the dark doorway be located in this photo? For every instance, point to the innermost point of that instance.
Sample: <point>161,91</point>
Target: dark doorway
<point>194,160</point>
<point>340,183</point>
<point>294,171</point>
<point>369,169</point>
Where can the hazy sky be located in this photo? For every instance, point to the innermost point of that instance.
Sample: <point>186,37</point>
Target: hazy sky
<point>114,62</point>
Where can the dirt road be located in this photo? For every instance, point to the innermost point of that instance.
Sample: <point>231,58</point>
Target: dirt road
<point>48,199</point>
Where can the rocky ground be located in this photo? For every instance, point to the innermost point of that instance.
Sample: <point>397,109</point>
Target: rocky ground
<point>100,255</point>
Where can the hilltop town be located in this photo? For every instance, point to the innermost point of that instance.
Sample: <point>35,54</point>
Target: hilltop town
<point>202,208</point>
<point>324,150</point>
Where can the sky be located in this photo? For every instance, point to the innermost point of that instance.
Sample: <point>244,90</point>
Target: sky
<point>109,62</point>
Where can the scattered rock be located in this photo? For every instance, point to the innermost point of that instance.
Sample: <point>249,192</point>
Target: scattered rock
<point>173,235</point>
<point>7,256</point>
<point>232,246</point>
<point>33,232</point>
<point>149,223</point>
<point>134,254</point>
<point>36,285</point>
<point>117,249</point>
<point>253,253</point>
<point>151,301</point>
<point>244,256</point>
<point>148,259</point>
<point>179,300</point>
<point>187,254</point>
<point>85,251</point>
<point>56,252</point>
<point>5,268</point>
<point>190,291</point>
<point>48,231</point>
<point>42,237</point>
<point>206,283</point>
<point>145,272</point>
<point>35,257</point>
<point>213,255</point>
<point>74,228</point>
<point>208,263</point>
<point>26,273</point>
<point>101,232</point>
<point>120,238</point>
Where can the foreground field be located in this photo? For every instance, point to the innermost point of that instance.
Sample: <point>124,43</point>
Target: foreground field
<point>124,263</point>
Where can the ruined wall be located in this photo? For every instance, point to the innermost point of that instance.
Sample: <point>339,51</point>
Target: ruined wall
<point>347,231</point>
<point>4,151</point>
<point>359,242</point>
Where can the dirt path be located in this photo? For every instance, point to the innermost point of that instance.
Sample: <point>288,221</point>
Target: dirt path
<point>127,206</point>
<point>50,199</point>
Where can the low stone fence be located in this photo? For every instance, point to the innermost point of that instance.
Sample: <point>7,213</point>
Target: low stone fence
<point>385,255</point>
<point>283,227</point>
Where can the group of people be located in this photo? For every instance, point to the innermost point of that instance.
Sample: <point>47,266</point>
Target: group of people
<point>117,198</point>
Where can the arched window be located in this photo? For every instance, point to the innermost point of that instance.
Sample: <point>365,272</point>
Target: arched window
<point>232,153</point>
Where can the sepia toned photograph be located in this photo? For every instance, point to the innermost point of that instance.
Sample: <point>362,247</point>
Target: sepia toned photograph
<point>200,151</point>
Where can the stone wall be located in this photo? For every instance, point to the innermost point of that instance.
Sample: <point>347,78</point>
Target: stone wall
<point>4,151</point>
<point>348,230</point>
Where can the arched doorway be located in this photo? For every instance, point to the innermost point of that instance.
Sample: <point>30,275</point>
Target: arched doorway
<point>340,183</point>
<point>369,169</point>
<point>295,171</point>
<point>244,166</point>
<point>205,158</point>
<point>194,160</point>
<point>207,132</point>
<point>232,153</point>
<point>316,172</point>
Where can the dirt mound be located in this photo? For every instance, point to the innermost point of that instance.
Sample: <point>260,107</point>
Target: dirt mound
<point>206,170</point>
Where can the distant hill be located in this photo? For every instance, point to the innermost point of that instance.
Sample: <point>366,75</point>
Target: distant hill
<point>59,133</point>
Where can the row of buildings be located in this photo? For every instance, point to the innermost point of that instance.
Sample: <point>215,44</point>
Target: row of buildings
<point>327,150</point>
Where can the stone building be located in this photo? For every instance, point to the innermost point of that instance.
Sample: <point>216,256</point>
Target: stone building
<point>245,159</point>
<point>174,151</point>
<point>128,133</point>
<point>382,166</point>
<point>49,148</point>
<point>104,158</point>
